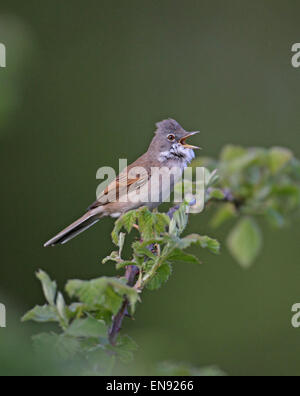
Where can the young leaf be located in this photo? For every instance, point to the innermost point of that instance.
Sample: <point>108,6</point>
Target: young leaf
<point>108,292</point>
<point>181,219</point>
<point>89,327</point>
<point>123,264</point>
<point>113,257</point>
<point>162,221</point>
<point>49,287</point>
<point>146,222</point>
<point>179,255</point>
<point>61,307</point>
<point>245,242</point>
<point>140,249</point>
<point>162,275</point>
<point>40,314</point>
<point>204,241</point>
<point>129,219</point>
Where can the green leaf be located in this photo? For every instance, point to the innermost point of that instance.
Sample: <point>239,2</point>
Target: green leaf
<point>162,275</point>
<point>278,158</point>
<point>180,217</point>
<point>49,287</point>
<point>231,152</point>
<point>245,242</point>
<point>116,231</point>
<point>123,264</point>
<point>216,193</point>
<point>61,307</point>
<point>173,230</point>
<point>179,255</point>
<point>146,223</point>
<point>113,257</point>
<point>121,242</point>
<point>40,314</point>
<point>106,292</point>
<point>65,347</point>
<point>141,249</point>
<point>125,348</point>
<point>129,219</point>
<point>89,327</point>
<point>204,241</point>
<point>162,221</point>
<point>225,213</point>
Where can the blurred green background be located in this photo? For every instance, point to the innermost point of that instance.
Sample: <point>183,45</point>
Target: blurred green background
<point>84,85</point>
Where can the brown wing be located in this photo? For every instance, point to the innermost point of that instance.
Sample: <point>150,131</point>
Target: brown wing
<point>120,186</point>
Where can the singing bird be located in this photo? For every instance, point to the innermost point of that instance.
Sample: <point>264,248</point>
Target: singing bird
<point>167,152</point>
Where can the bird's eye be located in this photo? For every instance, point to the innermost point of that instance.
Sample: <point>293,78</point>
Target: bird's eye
<point>171,138</point>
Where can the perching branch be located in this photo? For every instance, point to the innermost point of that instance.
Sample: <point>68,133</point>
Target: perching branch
<point>131,273</point>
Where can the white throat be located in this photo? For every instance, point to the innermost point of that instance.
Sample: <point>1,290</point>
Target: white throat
<point>179,154</point>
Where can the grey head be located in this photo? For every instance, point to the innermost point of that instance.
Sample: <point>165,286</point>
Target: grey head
<point>169,142</point>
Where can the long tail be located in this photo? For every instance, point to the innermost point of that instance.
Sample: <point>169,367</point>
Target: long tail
<point>82,224</point>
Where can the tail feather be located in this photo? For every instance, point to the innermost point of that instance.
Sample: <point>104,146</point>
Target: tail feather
<point>82,224</point>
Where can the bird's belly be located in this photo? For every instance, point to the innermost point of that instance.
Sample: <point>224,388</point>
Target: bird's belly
<point>158,189</point>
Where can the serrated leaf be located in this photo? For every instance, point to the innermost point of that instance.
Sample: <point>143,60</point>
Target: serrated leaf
<point>162,221</point>
<point>179,255</point>
<point>49,287</point>
<point>140,249</point>
<point>42,314</point>
<point>162,275</point>
<point>124,348</point>
<point>129,219</point>
<point>106,292</point>
<point>245,242</point>
<point>204,241</point>
<point>116,231</point>
<point>89,327</point>
<point>146,223</point>
<point>65,347</point>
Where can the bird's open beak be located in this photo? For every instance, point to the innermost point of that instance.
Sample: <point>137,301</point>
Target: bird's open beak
<point>182,141</point>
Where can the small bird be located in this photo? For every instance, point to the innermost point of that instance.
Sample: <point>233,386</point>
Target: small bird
<point>136,185</point>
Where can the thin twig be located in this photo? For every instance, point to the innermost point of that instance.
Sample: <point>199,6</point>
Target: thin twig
<point>131,273</point>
